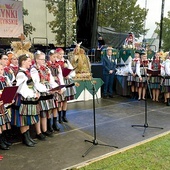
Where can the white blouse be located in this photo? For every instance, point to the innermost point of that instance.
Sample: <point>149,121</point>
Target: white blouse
<point>38,85</point>
<point>167,67</point>
<point>23,88</point>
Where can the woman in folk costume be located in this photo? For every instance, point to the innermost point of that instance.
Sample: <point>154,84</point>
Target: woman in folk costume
<point>5,118</point>
<point>70,91</point>
<point>132,75</point>
<point>155,80</point>
<point>44,81</point>
<point>57,74</point>
<point>166,81</point>
<point>141,79</point>
<point>26,100</point>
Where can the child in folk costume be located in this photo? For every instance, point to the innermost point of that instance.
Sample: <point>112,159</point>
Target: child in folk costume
<point>44,81</point>
<point>5,118</point>
<point>57,74</point>
<point>70,91</point>
<point>166,81</point>
<point>13,63</point>
<point>141,79</point>
<point>132,75</point>
<point>155,80</point>
<point>7,70</point>
<point>26,100</point>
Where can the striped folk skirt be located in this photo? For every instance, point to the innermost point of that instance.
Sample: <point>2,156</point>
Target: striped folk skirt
<point>70,91</point>
<point>154,82</point>
<point>139,83</point>
<point>5,118</point>
<point>24,112</point>
<point>165,85</point>
<point>131,80</point>
<point>46,103</point>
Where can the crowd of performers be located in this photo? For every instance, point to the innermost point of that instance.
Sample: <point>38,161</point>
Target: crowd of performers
<point>34,104</point>
<point>153,75</point>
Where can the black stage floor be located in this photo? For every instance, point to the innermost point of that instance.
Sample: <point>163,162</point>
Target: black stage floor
<point>114,118</point>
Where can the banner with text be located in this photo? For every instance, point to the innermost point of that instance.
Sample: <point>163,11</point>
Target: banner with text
<point>11,18</point>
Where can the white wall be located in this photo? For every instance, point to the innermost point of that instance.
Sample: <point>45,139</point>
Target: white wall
<point>39,17</point>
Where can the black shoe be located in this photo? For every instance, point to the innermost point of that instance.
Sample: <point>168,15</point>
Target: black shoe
<point>65,119</point>
<point>7,143</point>
<point>59,117</point>
<point>56,128</point>
<point>26,140</point>
<point>60,121</point>
<point>3,146</point>
<point>48,133</point>
<point>40,136</point>
<point>3,136</point>
<point>49,126</point>
<point>29,137</point>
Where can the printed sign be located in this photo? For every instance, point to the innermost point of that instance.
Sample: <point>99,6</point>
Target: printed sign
<point>11,18</point>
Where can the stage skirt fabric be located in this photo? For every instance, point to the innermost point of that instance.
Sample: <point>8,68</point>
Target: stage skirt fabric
<point>154,82</point>
<point>24,112</point>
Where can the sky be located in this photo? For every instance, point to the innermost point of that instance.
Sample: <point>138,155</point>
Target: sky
<point>154,13</point>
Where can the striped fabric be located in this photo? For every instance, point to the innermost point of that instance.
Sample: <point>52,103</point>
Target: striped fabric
<point>4,118</point>
<point>154,82</point>
<point>46,105</point>
<point>70,91</point>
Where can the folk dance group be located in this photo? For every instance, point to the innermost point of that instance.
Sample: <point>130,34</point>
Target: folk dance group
<point>34,104</point>
<point>154,74</point>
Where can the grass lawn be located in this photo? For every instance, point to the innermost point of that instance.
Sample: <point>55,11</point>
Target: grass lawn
<point>153,155</point>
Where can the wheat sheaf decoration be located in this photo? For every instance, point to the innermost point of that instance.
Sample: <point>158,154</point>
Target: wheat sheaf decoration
<point>20,48</point>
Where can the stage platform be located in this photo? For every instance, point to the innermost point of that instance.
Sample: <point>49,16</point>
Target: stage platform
<point>114,118</point>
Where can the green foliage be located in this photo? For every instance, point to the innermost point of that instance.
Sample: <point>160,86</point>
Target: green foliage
<point>57,8</point>
<point>122,15</point>
<point>165,32</point>
<point>28,28</point>
<point>61,23</point>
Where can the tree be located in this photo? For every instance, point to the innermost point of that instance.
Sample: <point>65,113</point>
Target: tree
<point>165,32</point>
<point>122,15</point>
<point>28,28</point>
<point>64,20</point>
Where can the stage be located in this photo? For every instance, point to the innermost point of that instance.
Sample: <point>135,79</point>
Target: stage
<point>114,118</point>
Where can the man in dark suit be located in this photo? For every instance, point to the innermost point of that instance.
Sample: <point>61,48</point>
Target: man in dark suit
<point>109,66</point>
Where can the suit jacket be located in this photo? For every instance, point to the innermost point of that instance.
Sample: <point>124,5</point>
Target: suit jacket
<point>108,65</point>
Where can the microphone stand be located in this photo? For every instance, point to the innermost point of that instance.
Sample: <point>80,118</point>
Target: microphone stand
<point>146,125</point>
<point>94,141</point>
